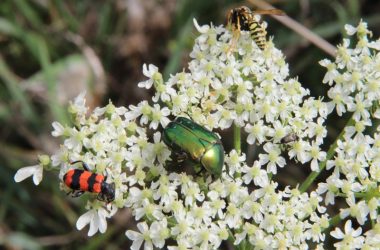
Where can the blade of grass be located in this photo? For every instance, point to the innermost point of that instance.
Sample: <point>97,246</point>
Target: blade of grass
<point>342,14</point>
<point>12,84</point>
<point>65,14</point>
<point>174,62</point>
<point>44,58</point>
<point>38,48</point>
<point>29,13</point>
<point>8,28</point>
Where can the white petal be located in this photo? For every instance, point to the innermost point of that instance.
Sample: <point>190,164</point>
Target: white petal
<point>80,99</point>
<point>37,176</point>
<point>201,29</point>
<point>348,226</point>
<point>375,45</point>
<point>102,225</point>
<point>137,244</point>
<point>84,220</point>
<point>350,29</point>
<point>132,235</point>
<point>58,129</point>
<point>148,245</point>
<point>337,234</point>
<point>26,172</point>
<point>145,70</point>
<point>143,227</point>
<point>94,225</point>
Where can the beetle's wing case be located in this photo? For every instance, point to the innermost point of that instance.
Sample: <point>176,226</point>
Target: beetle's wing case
<point>198,130</point>
<point>180,137</point>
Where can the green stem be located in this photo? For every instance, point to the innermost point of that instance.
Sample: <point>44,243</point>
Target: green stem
<point>231,238</point>
<point>237,138</point>
<point>309,180</point>
<point>333,222</point>
<point>371,193</point>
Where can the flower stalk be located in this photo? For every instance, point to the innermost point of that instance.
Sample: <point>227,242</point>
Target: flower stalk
<point>237,138</point>
<point>330,153</point>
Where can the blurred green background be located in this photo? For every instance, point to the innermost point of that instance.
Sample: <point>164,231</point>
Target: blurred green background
<point>51,50</point>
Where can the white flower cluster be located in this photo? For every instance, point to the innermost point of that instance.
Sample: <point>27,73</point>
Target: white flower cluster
<point>355,81</point>
<point>251,89</point>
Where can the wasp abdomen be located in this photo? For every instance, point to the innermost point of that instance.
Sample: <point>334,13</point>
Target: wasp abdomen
<point>258,34</point>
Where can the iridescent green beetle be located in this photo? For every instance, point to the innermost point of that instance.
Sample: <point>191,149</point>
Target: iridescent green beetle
<point>201,145</point>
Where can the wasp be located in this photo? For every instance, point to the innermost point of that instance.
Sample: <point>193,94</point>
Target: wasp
<point>243,19</point>
<point>82,180</point>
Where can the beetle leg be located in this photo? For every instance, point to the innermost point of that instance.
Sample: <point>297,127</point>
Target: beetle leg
<point>76,193</point>
<point>178,156</point>
<point>198,169</point>
<point>181,156</point>
<point>101,197</point>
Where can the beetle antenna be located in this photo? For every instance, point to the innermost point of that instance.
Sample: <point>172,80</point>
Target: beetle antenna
<point>84,165</point>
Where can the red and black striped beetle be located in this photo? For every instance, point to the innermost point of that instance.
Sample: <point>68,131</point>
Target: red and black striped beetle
<point>84,180</point>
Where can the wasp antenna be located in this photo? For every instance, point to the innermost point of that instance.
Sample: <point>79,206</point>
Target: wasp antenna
<point>276,12</point>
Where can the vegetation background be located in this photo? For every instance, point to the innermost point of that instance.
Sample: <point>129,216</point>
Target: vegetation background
<point>51,50</point>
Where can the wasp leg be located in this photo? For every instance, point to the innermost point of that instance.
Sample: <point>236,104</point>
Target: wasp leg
<point>234,40</point>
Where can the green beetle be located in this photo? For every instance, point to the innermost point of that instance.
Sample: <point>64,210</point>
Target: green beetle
<point>201,145</point>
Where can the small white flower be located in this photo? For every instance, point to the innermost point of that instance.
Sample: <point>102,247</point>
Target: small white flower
<point>358,210</point>
<point>139,238</point>
<point>96,218</point>
<point>341,98</point>
<point>273,157</point>
<point>59,130</point>
<point>278,131</point>
<point>317,156</point>
<point>255,173</point>
<point>159,116</point>
<point>192,193</point>
<point>233,216</point>
<point>332,73</point>
<point>234,161</point>
<point>332,185</point>
<point>36,171</point>
<point>350,238</point>
<point>150,210</point>
<point>152,73</point>
<point>301,150</point>
<point>351,30</point>
<point>258,132</point>
<point>79,108</point>
<point>159,232</point>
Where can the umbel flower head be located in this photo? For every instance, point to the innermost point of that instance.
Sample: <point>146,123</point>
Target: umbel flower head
<point>247,88</point>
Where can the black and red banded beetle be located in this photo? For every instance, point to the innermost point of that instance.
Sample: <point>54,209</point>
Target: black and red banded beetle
<point>81,181</point>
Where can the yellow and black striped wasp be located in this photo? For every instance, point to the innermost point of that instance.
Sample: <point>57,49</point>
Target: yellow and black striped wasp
<point>243,19</point>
